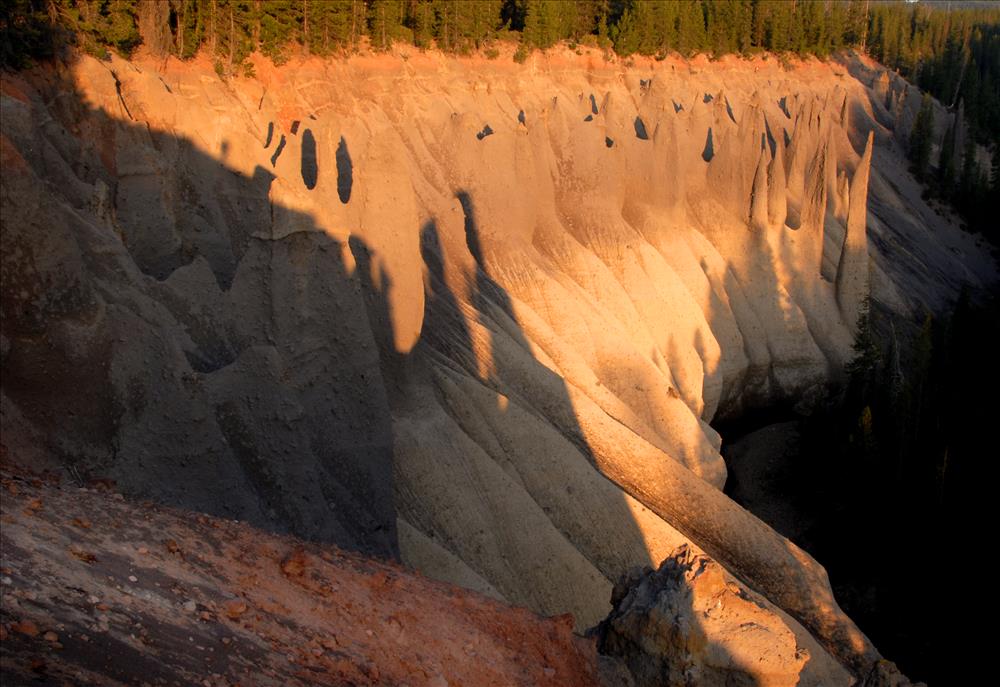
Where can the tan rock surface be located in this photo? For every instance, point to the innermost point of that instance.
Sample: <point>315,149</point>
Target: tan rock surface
<point>692,623</point>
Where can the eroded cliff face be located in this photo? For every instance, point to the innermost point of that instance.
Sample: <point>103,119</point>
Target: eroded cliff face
<point>476,315</point>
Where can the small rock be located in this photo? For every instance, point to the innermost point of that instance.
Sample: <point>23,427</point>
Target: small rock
<point>294,564</point>
<point>82,555</point>
<point>133,578</point>
<point>190,606</point>
<point>235,608</point>
<point>25,627</point>
<point>50,636</point>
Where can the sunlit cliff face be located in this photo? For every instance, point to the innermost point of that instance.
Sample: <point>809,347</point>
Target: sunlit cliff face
<point>472,314</point>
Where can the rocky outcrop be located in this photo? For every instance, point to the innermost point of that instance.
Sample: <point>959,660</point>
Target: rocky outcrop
<point>852,270</point>
<point>758,197</point>
<point>677,627</point>
<point>777,199</point>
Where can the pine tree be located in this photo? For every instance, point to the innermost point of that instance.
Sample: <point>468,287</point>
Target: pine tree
<point>795,31</point>
<point>813,39</point>
<point>512,14</point>
<point>279,26</point>
<point>922,138</point>
<point>863,369</point>
<point>463,27</point>
<point>329,26</point>
<point>187,35</point>
<point>153,19</point>
<point>856,23</point>
<point>544,23</point>
<point>728,24</point>
<point>101,24</point>
<point>589,17</point>
<point>777,25</point>
<point>420,19</point>
<point>970,172</point>
<point>234,41</point>
<point>633,31</point>
<point>385,22</point>
<point>26,33</point>
<point>835,22</point>
<point>946,162</point>
<point>691,36</point>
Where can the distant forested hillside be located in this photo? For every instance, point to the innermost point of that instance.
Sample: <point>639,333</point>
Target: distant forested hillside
<point>950,49</point>
<point>952,54</point>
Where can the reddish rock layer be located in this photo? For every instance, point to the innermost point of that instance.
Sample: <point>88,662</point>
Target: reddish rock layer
<point>99,590</point>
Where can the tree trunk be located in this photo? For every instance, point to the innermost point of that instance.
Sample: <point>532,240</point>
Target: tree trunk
<point>864,34</point>
<point>256,24</point>
<point>154,26</point>
<point>181,23</point>
<point>961,75</point>
<point>305,26</point>
<point>214,41</point>
<point>326,34</point>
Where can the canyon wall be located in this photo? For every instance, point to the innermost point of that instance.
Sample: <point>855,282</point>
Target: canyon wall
<point>475,315</point>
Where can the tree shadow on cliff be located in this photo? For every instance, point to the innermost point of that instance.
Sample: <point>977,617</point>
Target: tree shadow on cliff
<point>178,333</point>
<point>238,359</point>
<point>492,385</point>
<point>480,341</point>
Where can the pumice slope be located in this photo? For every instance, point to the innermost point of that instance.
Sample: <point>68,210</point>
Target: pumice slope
<point>440,309</point>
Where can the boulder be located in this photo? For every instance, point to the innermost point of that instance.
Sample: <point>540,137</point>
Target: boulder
<point>691,623</point>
